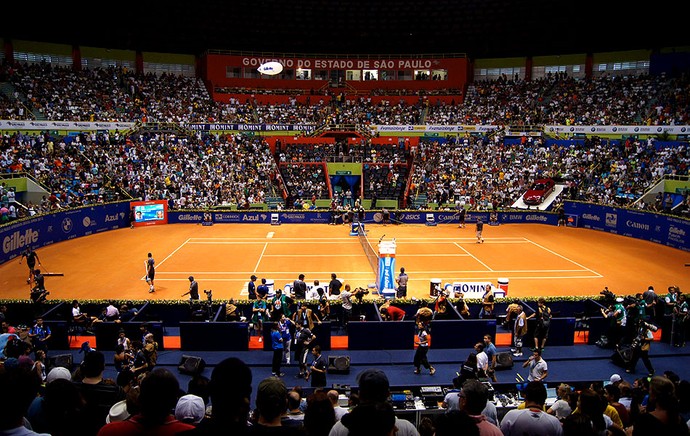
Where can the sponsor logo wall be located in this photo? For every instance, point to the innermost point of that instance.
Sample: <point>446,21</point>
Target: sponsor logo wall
<point>662,229</point>
<point>49,229</point>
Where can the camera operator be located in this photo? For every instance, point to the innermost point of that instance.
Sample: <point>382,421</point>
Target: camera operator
<point>637,309</point>
<point>38,292</point>
<point>617,316</point>
<point>640,347</point>
<point>193,290</point>
<point>681,313</point>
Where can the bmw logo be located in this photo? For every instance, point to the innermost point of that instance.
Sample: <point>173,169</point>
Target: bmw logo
<point>658,129</point>
<point>67,225</point>
<point>637,129</point>
<point>615,129</point>
<point>593,129</point>
<point>682,129</point>
<point>86,221</point>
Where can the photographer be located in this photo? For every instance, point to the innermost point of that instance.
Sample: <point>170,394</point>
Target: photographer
<point>193,290</point>
<point>38,292</point>
<point>617,316</point>
<point>640,347</point>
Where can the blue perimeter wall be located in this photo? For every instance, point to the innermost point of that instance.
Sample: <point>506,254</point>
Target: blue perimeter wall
<point>61,226</point>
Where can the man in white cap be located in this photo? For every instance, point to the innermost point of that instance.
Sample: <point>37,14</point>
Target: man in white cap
<point>59,372</point>
<point>190,409</point>
<point>615,379</point>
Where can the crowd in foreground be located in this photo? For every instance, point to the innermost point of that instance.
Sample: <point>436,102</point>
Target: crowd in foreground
<point>83,402</point>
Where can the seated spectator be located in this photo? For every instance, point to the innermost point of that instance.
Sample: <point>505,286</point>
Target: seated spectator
<point>271,404</point>
<point>190,409</point>
<point>157,398</point>
<point>99,393</point>
<point>230,391</point>
<point>319,415</point>
<point>19,388</point>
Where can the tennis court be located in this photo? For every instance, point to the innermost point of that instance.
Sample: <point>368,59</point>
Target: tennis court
<point>538,260</point>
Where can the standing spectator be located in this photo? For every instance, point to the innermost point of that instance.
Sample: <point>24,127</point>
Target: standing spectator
<point>303,338</point>
<point>482,360</point>
<point>681,313</point>
<point>346,305</point>
<point>473,398</point>
<point>532,419</point>
<point>157,399</point>
<point>334,285</point>
<point>280,305</point>
<point>39,335</point>
<point>538,369</point>
<point>318,368</point>
<point>277,347</point>
<point>541,332</point>
<point>262,289</point>
<point>401,280</point>
<point>491,351</point>
<point>305,316</point>
<point>285,325</point>
<point>260,314</point>
<point>299,288</point>
<point>420,355</point>
<point>251,288</point>
<point>519,331</point>
<point>487,310</point>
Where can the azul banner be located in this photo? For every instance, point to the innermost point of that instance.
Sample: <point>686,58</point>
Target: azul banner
<point>662,229</point>
<point>253,127</point>
<point>620,130</point>
<point>56,227</point>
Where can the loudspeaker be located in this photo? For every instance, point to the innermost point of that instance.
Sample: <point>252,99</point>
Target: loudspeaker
<point>191,365</point>
<point>504,360</point>
<point>622,356</point>
<point>339,364</point>
<point>63,360</point>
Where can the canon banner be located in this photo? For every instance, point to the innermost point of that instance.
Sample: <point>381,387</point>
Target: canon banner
<point>662,229</point>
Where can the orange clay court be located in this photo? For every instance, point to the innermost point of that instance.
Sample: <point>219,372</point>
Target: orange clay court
<point>538,260</point>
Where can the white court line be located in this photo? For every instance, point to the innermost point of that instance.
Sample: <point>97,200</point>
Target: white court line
<point>270,235</point>
<point>325,273</point>
<point>260,256</point>
<point>313,255</point>
<point>473,257</point>
<point>168,257</point>
<point>565,258</point>
<point>274,241</point>
<point>354,239</point>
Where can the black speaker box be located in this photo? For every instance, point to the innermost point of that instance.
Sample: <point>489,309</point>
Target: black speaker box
<point>622,356</point>
<point>191,365</point>
<point>339,364</point>
<point>504,360</point>
<point>63,360</point>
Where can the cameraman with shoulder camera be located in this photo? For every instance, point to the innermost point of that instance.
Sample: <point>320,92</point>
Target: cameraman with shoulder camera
<point>640,347</point>
<point>617,315</point>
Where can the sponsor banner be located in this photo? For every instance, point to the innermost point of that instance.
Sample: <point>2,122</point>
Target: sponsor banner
<point>648,226</point>
<point>62,125</point>
<point>61,226</point>
<point>252,127</point>
<point>469,289</point>
<point>432,128</point>
<point>386,273</point>
<point>621,130</point>
<point>345,63</point>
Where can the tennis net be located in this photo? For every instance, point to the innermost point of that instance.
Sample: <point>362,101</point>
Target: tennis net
<point>372,256</point>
